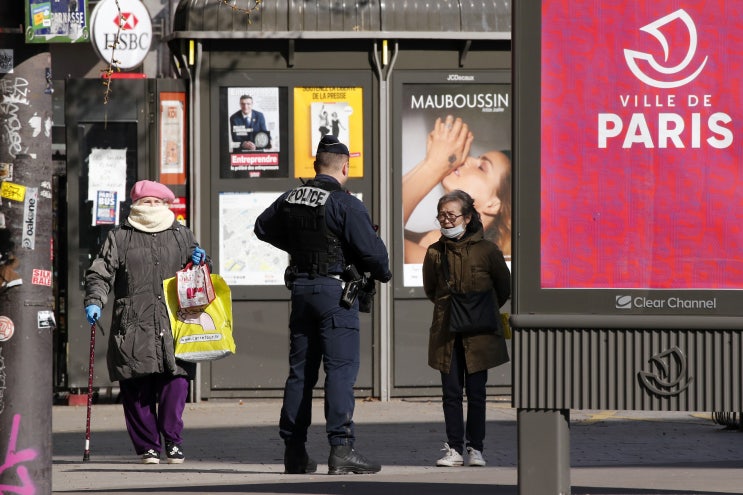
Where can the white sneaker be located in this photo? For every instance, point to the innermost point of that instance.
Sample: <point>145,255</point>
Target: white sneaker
<point>174,453</point>
<point>451,458</point>
<point>151,457</point>
<point>474,457</point>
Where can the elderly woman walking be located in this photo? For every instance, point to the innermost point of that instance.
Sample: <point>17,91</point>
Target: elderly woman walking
<point>135,258</point>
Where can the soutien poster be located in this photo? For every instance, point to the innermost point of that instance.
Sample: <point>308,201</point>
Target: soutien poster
<point>641,181</point>
<point>432,167</point>
<point>328,110</point>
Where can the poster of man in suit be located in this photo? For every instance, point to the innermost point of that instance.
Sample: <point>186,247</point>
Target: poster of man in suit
<point>251,132</point>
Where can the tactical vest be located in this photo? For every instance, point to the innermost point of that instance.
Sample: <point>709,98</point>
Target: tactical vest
<point>314,248</point>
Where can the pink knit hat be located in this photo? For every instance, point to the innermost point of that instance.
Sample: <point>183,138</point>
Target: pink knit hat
<point>148,188</point>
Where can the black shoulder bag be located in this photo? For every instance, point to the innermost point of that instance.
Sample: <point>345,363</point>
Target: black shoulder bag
<point>470,312</point>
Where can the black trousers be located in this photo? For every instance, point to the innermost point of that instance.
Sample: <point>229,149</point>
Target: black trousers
<point>453,384</point>
<point>321,332</point>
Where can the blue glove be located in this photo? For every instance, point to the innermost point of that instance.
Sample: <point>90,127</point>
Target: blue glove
<point>198,256</point>
<point>92,313</point>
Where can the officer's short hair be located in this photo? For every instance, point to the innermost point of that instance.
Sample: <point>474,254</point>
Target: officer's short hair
<point>329,162</point>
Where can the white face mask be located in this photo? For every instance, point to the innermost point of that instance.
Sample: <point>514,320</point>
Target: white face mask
<point>453,232</point>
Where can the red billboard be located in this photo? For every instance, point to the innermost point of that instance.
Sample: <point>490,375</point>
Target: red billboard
<point>641,158</point>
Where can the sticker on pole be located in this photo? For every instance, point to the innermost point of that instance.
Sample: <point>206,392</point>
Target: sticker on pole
<point>45,319</point>
<point>6,328</point>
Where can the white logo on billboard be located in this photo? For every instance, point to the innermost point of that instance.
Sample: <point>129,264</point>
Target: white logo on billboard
<point>623,302</point>
<point>632,56</point>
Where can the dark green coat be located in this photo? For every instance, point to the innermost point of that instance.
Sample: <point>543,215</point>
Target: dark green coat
<point>475,264</point>
<point>134,264</point>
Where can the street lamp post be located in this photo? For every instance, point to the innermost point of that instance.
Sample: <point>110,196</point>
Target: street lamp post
<point>26,298</point>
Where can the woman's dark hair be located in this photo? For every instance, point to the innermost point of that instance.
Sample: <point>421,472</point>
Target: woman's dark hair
<point>468,207</point>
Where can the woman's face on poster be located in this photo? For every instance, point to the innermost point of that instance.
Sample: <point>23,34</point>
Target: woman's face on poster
<point>480,177</point>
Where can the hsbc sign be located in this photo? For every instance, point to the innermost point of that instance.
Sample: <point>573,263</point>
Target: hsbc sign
<point>134,27</point>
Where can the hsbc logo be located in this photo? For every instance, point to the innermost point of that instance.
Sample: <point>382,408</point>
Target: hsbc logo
<point>636,59</point>
<point>127,21</point>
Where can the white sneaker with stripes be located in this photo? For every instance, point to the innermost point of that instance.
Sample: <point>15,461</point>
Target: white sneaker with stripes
<point>451,457</point>
<point>474,457</point>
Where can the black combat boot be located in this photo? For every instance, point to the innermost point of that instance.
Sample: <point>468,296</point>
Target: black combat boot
<point>296,460</point>
<point>344,459</point>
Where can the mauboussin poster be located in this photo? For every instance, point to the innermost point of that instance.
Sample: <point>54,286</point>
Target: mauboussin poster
<point>432,167</point>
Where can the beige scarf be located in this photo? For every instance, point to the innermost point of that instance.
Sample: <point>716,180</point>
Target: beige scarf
<point>151,218</point>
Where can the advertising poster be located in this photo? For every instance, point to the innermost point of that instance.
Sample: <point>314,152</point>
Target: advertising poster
<point>641,184</point>
<point>328,110</point>
<point>173,138</point>
<point>106,208</point>
<point>484,171</point>
<point>179,207</point>
<point>106,172</point>
<point>57,21</point>
<point>251,123</point>
<point>244,259</point>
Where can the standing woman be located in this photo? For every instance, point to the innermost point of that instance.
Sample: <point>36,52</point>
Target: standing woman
<point>135,258</point>
<point>473,264</point>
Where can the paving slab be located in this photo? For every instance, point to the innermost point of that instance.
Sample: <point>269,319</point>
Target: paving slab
<point>232,446</point>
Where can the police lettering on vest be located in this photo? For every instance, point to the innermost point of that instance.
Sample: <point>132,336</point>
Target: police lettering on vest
<point>308,196</point>
<point>313,248</point>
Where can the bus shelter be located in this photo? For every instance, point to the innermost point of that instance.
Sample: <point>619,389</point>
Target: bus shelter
<point>628,269</point>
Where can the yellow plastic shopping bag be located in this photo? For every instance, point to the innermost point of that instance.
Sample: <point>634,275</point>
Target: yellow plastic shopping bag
<point>205,334</point>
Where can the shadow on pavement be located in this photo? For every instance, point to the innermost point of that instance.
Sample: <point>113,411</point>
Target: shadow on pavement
<point>338,488</point>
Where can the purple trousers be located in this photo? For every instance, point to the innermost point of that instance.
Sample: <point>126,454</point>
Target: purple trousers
<point>153,407</point>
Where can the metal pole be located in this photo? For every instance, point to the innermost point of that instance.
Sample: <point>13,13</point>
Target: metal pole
<point>26,298</point>
<point>193,57</point>
<point>544,451</point>
<point>195,180</point>
<point>385,199</point>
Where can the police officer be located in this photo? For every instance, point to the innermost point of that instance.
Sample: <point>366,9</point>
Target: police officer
<point>324,229</point>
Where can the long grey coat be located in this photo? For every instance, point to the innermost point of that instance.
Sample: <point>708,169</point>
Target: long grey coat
<point>475,264</point>
<point>134,264</point>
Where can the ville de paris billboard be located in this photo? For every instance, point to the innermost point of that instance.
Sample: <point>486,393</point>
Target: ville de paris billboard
<point>628,140</point>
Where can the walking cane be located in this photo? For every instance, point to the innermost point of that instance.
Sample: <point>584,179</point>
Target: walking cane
<point>86,454</point>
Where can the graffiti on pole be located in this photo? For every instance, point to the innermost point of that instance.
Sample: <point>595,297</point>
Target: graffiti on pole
<point>14,459</point>
<point>2,381</point>
<point>14,95</point>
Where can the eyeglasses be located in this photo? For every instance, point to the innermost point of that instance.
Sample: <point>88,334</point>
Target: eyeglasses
<point>448,216</point>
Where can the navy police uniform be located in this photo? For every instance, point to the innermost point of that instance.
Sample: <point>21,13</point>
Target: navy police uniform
<point>323,228</point>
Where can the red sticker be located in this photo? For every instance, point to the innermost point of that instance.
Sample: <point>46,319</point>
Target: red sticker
<point>41,277</point>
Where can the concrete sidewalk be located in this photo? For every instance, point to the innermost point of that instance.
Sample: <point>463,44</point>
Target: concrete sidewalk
<point>234,447</point>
